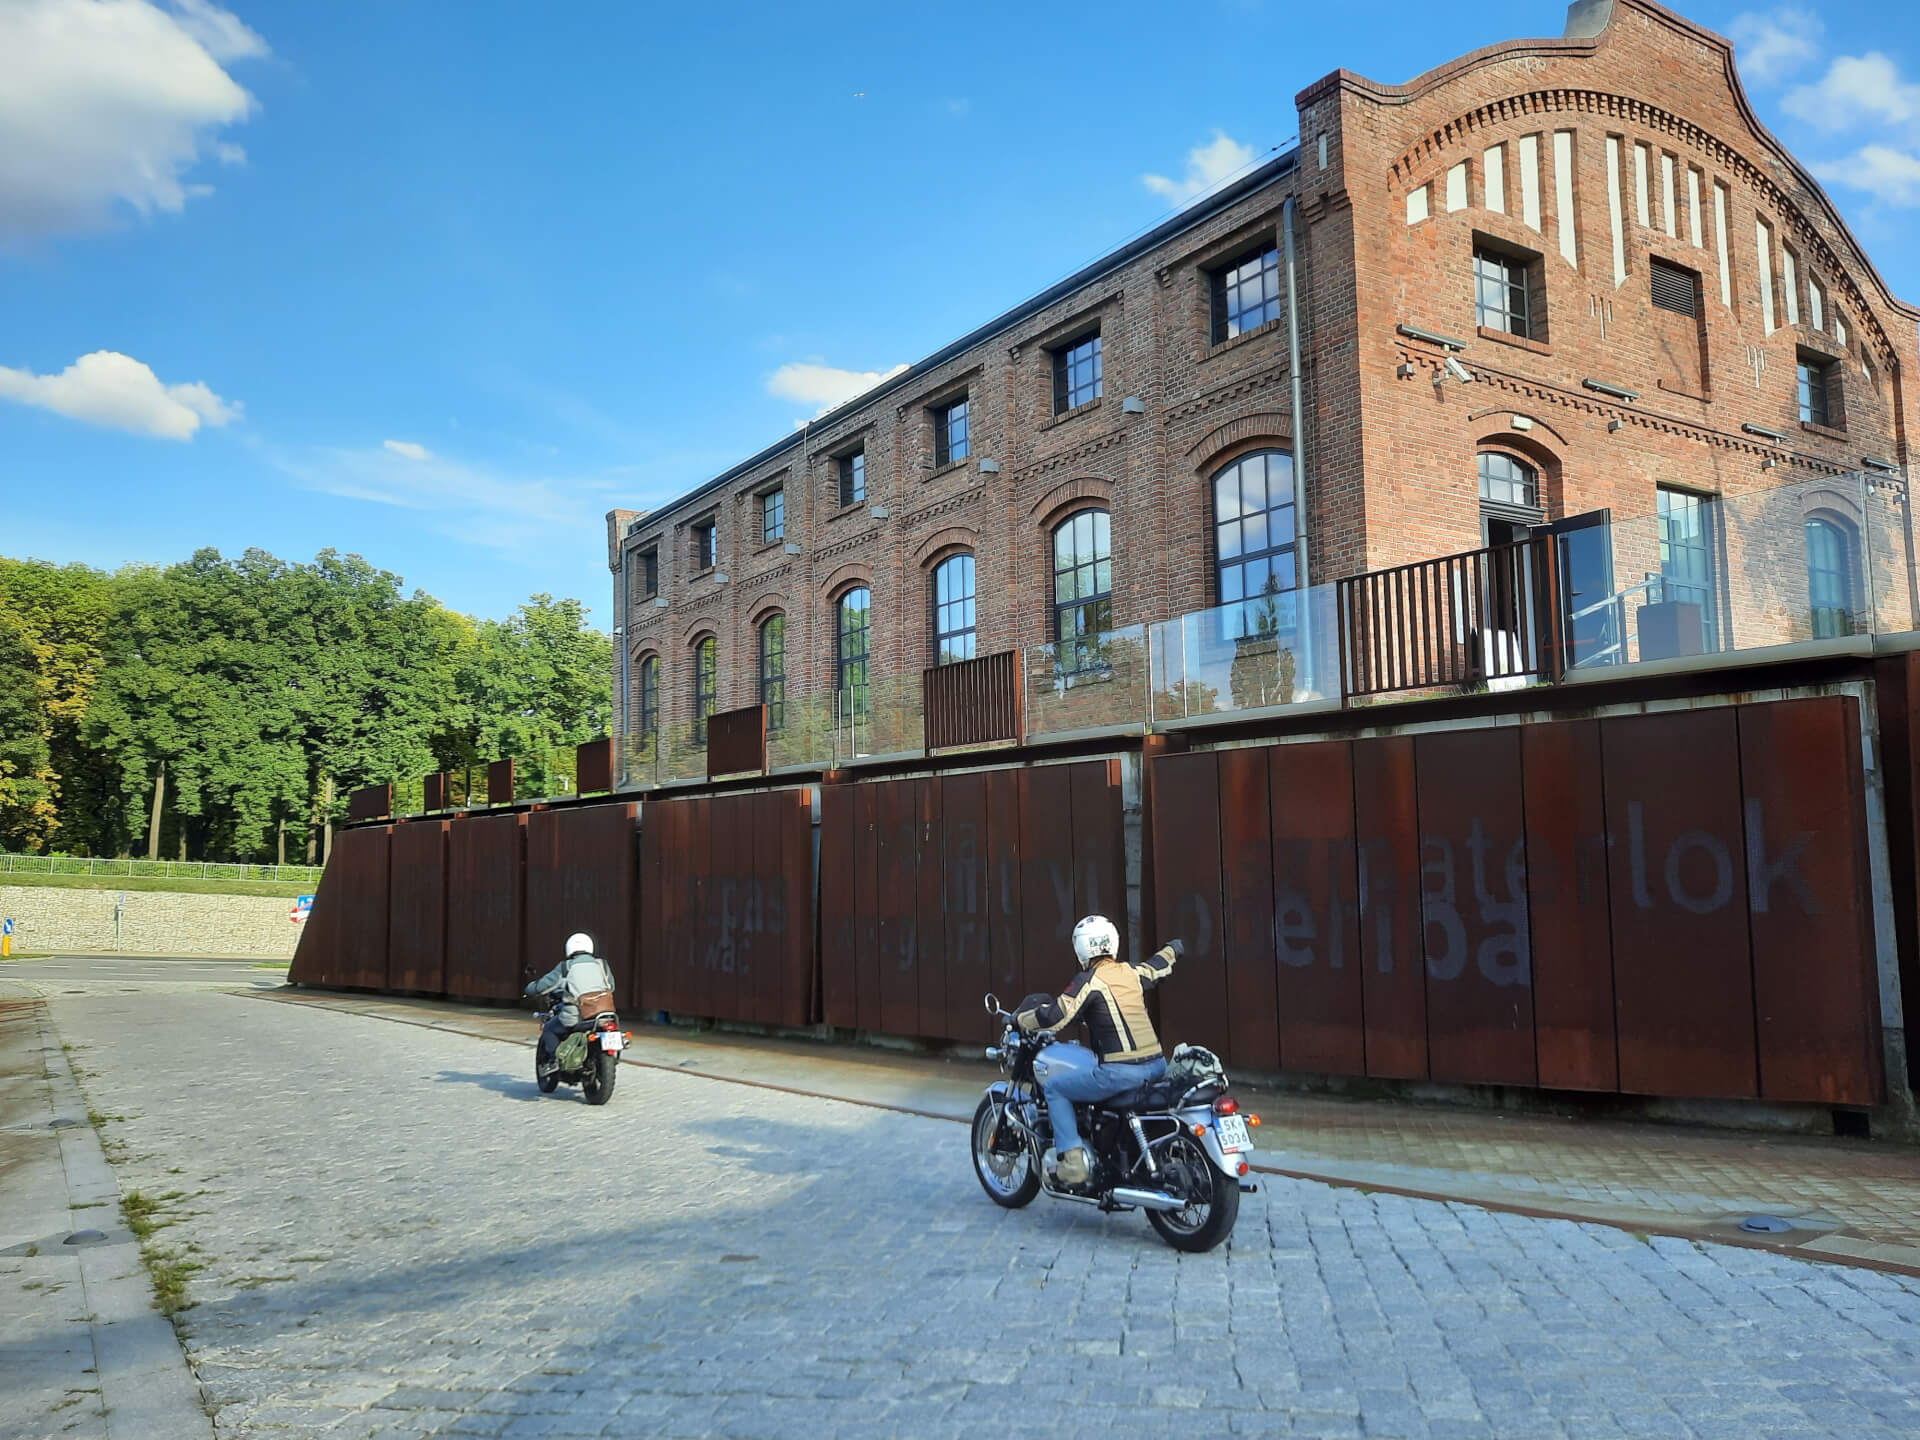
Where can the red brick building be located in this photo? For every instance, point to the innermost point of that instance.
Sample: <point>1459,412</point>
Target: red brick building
<point>1547,279</point>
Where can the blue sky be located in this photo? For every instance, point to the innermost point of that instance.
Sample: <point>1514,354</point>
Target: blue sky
<point>441,283</point>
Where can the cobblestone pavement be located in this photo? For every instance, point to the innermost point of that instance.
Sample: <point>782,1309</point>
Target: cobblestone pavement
<point>1852,1200</point>
<point>402,1238</point>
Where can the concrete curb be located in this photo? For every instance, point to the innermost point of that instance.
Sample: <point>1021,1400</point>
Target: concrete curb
<point>147,1388</point>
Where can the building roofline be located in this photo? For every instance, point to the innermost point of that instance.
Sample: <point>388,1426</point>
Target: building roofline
<point>1258,179</point>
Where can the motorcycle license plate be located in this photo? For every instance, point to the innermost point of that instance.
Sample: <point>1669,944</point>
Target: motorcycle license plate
<point>1232,1130</point>
<point>611,1042</point>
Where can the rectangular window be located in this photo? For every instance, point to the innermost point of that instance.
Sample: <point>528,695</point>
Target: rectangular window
<point>706,546</point>
<point>853,478</point>
<point>1720,242</point>
<point>1819,381</point>
<point>1493,175</point>
<point>1763,254</point>
<point>1530,181</point>
<point>1615,219</point>
<point>1688,547</point>
<point>1816,304</point>
<point>1790,284</point>
<point>1246,294</point>
<point>950,433</point>
<point>1457,188</point>
<point>1076,374</point>
<point>1693,207</point>
<point>1564,221</point>
<point>1668,206</point>
<point>649,574</point>
<point>1674,288</point>
<point>1640,191</point>
<point>1500,293</point>
<point>773,516</point>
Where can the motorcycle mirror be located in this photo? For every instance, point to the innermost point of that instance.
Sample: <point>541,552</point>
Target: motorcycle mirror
<point>992,1003</point>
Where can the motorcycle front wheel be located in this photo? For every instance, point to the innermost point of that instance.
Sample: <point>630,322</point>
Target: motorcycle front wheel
<point>1213,1201</point>
<point>597,1083</point>
<point>1010,1180</point>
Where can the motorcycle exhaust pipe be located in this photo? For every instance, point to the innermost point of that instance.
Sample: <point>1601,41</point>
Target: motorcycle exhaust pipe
<point>1147,1199</point>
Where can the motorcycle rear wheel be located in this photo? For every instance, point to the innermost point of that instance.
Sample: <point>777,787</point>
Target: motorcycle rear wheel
<point>1213,1200</point>
<point>1009,1180</point>
<point>597,1082</point>
<point>548,1082</point>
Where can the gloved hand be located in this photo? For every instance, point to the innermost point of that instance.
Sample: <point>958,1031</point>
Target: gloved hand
<point>1027,1021</point>
<point>1178,948</point>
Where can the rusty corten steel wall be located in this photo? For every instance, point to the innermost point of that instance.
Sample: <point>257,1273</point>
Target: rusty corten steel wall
<point>727,907</point>
<point>486,906</point>
<point>1671,904</point>
<point>345,939</point>
<point>417,934</point>
<point>936,890</point>
<point>582,865</point>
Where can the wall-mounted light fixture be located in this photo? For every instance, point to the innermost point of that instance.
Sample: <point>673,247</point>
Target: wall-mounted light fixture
<point>1617,392</point>
<point>1765,434</point>
<point>1769,462</point>
<point>660,602</point>
<point>879,512</point>
<point>719,578</point>
<point>1616,423</point>
<point>1414,332</point>
<point>1133,405</point>
<point>793,549</point>
<point>1404,370</point>
<point>989,467</point>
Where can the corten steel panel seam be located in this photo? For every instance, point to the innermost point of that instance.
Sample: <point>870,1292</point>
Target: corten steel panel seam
<point>963,921</point>
<point>1683,975</point>
<point>838,942</point>
<point>895,900</point>
<point>930,953</point>
<point>1246,850</point>
<point>1005,966</point>
<point>1896,692</point>
<point>732,858</point>
<point>1473,910</point>
<point>762,979</point>
<point>1386,845</point>
<point>1319,983</point>
<point>1046,878</point>
<point>1564,807</point>
<point>417,909</point>
<point>649,931</point>
<point>866,877</point>
<point>1099,847</point>
<point>798,873</point>
<point>365,858</point>
<point>1804,807</point>
<point>1186,826</point>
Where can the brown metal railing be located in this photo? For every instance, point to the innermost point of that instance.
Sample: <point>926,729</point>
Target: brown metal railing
<point>370,802</point>
<point>973,702</point>
<point>1481,615</point>
<point>737,741</point>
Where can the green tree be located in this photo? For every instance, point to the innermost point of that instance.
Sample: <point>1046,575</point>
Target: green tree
<point>52,622</point>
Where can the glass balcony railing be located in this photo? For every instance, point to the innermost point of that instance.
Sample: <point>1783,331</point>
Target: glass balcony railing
<point>1821,559</point>
<point>1278,649</point>
<point>1091,682</point>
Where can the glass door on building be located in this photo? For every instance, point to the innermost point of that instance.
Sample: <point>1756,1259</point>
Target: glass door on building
<point>1589,610</point>
<point>1689,549</point>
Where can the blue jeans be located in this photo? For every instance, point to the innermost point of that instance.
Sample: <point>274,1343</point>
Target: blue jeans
<point>1097,1082</point>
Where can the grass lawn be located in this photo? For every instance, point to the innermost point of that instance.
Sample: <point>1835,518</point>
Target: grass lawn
<point>286,888</point>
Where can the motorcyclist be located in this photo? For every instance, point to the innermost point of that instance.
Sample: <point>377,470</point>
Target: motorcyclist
<point>1109,994</point>
<point>579,973</point>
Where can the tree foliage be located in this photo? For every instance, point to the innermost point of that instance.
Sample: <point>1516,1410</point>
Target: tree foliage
<point>264,687</point>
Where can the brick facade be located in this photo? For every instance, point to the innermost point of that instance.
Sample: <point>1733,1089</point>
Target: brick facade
<point>1528,149</point>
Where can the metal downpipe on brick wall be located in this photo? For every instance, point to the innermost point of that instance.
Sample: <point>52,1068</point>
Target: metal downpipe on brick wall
<point>1302,539</point>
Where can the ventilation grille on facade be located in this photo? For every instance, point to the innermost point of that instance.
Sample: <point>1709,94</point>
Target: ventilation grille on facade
<point>1674,289</point>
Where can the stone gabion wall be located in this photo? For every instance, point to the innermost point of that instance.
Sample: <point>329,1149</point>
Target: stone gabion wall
<point>152,922</point>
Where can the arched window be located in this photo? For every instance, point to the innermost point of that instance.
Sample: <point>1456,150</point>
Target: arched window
<point>851,633</point>
<point>1254,535</point>
<point>1830,576</point>
<point>1082,589</point>
<point>706,678</point>
<point>649,697</point>
<point>954,636</point>
<point>773,669</point>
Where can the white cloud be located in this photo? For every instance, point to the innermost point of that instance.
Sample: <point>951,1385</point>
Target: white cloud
<point>1771,46</point>
<point>109,103</point>
<point>1890,176</point>
<point>1856,90</point>
<point>824,386</point>
<point>108,388</point>
<point>409,448</point>
<point>1208,167</point>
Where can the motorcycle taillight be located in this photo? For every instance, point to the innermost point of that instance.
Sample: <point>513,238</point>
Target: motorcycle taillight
<point>1226,1105</point>
<point>607,1022</point>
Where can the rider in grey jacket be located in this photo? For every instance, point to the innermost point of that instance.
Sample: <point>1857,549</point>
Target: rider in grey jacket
<point>580,973</point>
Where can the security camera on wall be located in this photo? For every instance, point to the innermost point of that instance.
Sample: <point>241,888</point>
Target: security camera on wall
<point>1459,371</point>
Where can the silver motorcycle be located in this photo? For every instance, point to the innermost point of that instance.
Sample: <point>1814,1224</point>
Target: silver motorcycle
<point>1177,1148</point>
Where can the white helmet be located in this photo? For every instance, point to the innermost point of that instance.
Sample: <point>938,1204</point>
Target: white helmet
<point>579,943</point>
<point>1094,937</point>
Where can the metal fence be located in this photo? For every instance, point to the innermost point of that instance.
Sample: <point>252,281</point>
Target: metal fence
<point>155,869</point>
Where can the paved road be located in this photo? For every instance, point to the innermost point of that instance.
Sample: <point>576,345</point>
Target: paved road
<point>402,1238</point>
<point>96,971</point>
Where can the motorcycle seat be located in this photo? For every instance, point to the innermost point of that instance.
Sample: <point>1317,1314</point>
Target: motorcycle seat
<point>1154,1095</point>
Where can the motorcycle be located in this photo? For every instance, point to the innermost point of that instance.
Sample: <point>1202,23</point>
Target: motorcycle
<point>1177,1148</point>
<point>588,1057</point>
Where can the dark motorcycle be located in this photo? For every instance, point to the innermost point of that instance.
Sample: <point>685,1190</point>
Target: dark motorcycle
<point>1178,1148</point>
<point>588,1056</point>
